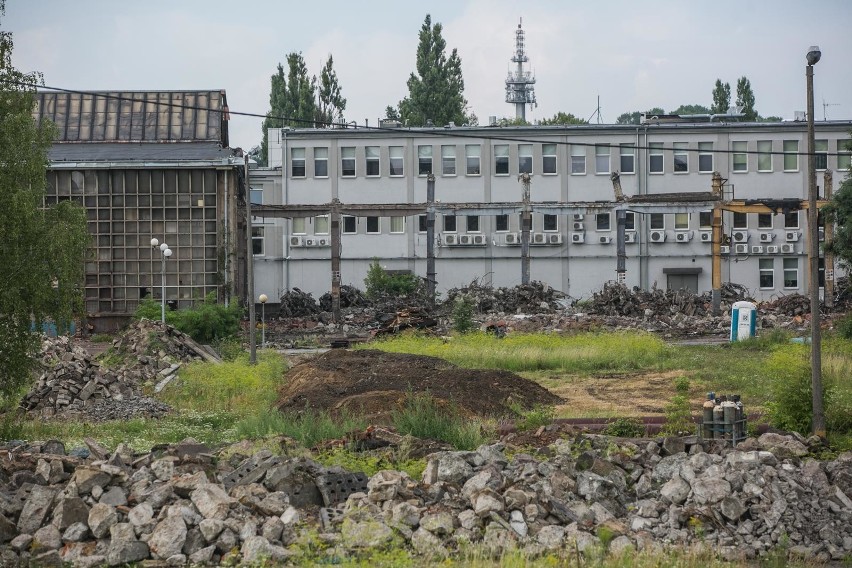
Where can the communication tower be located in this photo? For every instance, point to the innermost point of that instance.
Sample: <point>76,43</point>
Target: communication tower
<point>520,90</point>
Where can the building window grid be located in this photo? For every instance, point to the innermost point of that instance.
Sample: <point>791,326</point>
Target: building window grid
<point>630,221</point>
<point>739,157</point>
<point>396,161</point>
<point>766,270</point>
<point>422,222</point>
<point>764,155</point>
<point>548,159</point>
<point>627,160</point>
<point>791,155</point>
<point>602,159</point>
<point>680,158</point>
<point>448,160</point>
<point>705,157</point>
<point>473,159</point>
<point>372,161</point>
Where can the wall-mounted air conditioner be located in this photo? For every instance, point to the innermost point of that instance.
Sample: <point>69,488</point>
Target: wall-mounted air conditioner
<point>724,249</point>
<point>683,236</point>
<point>578,226</point>
<point>512,239</point>
<point>538,238</point>
<point>324,242</point>
<point>450,240</point>
<point>788,249</point>
<point>297,241</point>
<point>604,240</point>
<point>630,237</point>
<point>658,236</point>
<point>792,236</point>
<point>757,249</point>
<point>554,239</point>
<point>772,249</point>
<point>740,236</point>
<point>480,240</point>
<point>578,238</point>
<point>465,239</point>
<point>310,242</point>
<point>741,249</point>
<point>579,216</point>
<point>706,237</point>
<point>767,237</point>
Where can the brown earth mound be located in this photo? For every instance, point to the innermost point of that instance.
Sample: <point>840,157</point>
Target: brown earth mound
<point>373,383</point>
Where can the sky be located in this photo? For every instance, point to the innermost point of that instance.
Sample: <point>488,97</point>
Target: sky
<point>632,55</point>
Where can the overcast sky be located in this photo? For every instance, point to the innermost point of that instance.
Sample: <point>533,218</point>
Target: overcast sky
<point>633,54</point>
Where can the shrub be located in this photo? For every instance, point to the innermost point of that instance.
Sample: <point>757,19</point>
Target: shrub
<point>844,326</point>
<point>379,283</point>
<point>678,416</point>
<point>463,315</point>
<point>534,418</point>
<point>790,404</point>
<point>625,428</point>
<point>205,322</point>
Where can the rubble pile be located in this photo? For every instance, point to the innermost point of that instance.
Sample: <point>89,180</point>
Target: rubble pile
<point>152,341</point>
<point>350,297</point>
<point>184,506</point>
<point>535,297</point>
<point>619,300</point>
<point>295,303</point>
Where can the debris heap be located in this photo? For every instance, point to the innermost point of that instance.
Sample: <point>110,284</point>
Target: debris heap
<point>535,297</point>
<point>295,303</point>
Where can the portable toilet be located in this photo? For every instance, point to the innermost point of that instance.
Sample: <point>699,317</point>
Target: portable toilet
<point>743,320</point>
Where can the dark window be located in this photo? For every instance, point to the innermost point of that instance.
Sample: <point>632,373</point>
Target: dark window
<point>551,223</point>
<point>501,223</point>
<point>372,225</point>
<point>421,223</point>
<point>450,223</point>
<point>473,223</point>
<point>349,225</point>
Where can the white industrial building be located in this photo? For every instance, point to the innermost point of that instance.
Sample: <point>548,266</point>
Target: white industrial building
<point>573,238</point>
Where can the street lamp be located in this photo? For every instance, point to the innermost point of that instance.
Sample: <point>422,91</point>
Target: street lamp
<point>263,299</point>
<point>166,252</point>
<point>813,57</point>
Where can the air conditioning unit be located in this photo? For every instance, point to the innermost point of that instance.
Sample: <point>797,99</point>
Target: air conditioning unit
<point>792,236</point>
<point>740,236</point>
<point>724,249</point>
<point>465,239</point>
<point>297,241</point>
<point>578,238</point>
<point>480,240</point>
<point>578,226</point>
<point>683,236</point>
<point>579,216</point>
<point>324,242</point>
<point>658,236</point>
<point>772,249</point>
<point>310,242</point>
<point>788,249</point>
<point>757,249</point>
<point>511,238</point>
<point>604,240</point>
<point>821,231</point>
<point>706,237</point>
<point>554,239</point>
<point>767,237</point>
<point>630,237</point>
<point>741,249</point>
<point>450,240</point>
<point>538,238</point>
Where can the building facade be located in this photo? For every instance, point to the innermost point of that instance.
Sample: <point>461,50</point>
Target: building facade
<point>570,169</point>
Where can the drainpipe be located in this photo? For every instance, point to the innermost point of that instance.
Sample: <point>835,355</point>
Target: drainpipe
<point>288,222</point>
<point>227,239</point>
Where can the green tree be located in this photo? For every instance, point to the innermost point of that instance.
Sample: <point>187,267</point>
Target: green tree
<point>721,98</point>
<point>330,101</point>
<point>691,109</point>
<point>435,92</point>
<point>839,211</point>
<point>291,100</point>
<point>745,99</point>
<point>636,116</point>
<point>563,118</point>
<point>43,248</point>
<point>392,113</point>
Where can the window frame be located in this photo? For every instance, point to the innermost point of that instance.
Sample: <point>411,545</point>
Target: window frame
<point>739,156</point>
<point>472,224</point>
<point>344,220</point>
<point>844,155</point>
<point>764,272</point>
<point>600,156</point>
<point>794,270</point>
<point>318,159</point>
<point>525,159</point>
<point>763,154</point>
<point>549,161</point>
<point>501,160</point>
<point>468,156</point>
<point>705,151</point>
<point>378,221</point>
<point>424,157</point>
<point>627,152</point>
<point>422,223</point>
<point>681,221</point>
<point>258,235</point>
<point>735,221</point>
<point>656,151</point>
<point>708,215</point>
<point>603,222</point>
<point>319,221</point>
<point>344,159</point>
<point>680,151</point>
<point>253,192</point>
<point>761,221</point>
<point>550,223</point>
<point>629,221</point>
<point>497,223</point>
<point>791,154</point>
<point>300,163</point>
<point>399,231</point>
<point>375,161</point>
<point>299,226</point>
<point>821,155</point>
<point>396,160</point>
<point>791,215</point>
<point>654,225</point>
<point>447,221</point>
<point>448,155</point>
<point>578,159</point>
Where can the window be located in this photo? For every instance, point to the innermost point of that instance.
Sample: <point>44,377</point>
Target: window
<point>578,160</point>
<point>297,162</point>
<point>521,221</point>
<point>656,161</point>
<point>320,162</point>
<point>373,227</point>
<point>628,159</point>
<point>501,223</point>
<point>791,155</point>
<point>764,155</point>
<point>397,225</point>
<point>791,272</point>
<point>602,222</point>
<point>321,225</point>
<point>681,158</point>
<point>472,223</point>
<point>551,223</point>
<point>349,225</point>
<point>601,159</point>
<point>681,221</point>
<point>396,161</point>
<point>347,162</point>
<point>705,220</point>
<point>791,220</point>
<point>424,160</point>
<point>767,273</point>
<point>705,157</point>
<point>844,154</point>
<point>257,241</point>
<point>630,221</point>
<point>299,226</point>
<point>740,221</point>
<point>501,159</point>
<point>449,223</point>
<point>448,160</point>
<point>371,153</point>
<point>525,158</point>
<point>740,158</point>
<point>821,154</point>
<point>473,154</point>
<point>548,159</point>
<point>256,196</point>
<point>658,221</point>
<point>764,220</point>
<point>422,223</point>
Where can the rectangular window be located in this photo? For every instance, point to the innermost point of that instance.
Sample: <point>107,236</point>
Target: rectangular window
<point>448,160</point>
<point>628,159</point>
<point>821,154</point>
<point>501,159</point>
<point>320,162</point>
<point>397,225</point>
<point>844,154</point>
<point>371,154</point>
<point>297,162</point>
<point>449,223</point>
<point>764,155</point>
<point>373,227</point>
<point>350,227</point>
<point>630,221</point>
<point>424,160</point>
<point>472,223</point>
<point>601,159</point>
<point>791,155</point>
<point>764,220</point>
<point>658,221</point>
<point>578,160</point>
<point>256,196</point>
<point>791,220</point>
<point>257,241</point>
<point>396,161</point>
<point>705,157</point>
<point>347,162</point>
<point>321,225</point>
<point>740,158</point>
<point>740,221</point>
<point>525,158</point>
<point>602,222</point>
<point>705,220</point>
<point>791,272</point>
<point>299,226</point>
<point>422,223</point>
<point>548,159</point>
<point>656,160</point>
<point>767,273</point>
<point>501,223</point>
<point>473,158</point>
<point>681,158</point>
<point>681,221</point>
<point>551,223</point>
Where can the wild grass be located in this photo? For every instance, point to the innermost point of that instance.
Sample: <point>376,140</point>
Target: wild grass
<point>422,417</point>
<point>308,427</point>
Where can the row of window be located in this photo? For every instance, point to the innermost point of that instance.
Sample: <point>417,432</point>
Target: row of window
<point>790,272</point>
<point>472,166</point>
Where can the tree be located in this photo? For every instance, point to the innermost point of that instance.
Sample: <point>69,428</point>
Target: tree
<point>721,98</point>
<point>435,92</point>
<point>291,100</point>
<point>330,101</point>
<point>563,118</point>
<point>391,113</point>
<point>745,99</point>
<point>839,211</point>
<point>636,116</point>
<point>43,248</point>
<point>691,109</point>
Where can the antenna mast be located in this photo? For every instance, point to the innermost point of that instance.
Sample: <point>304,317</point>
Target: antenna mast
<point>825,105</point>
<point>519,84</point>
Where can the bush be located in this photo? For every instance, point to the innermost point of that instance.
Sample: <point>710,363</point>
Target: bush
<point>379,283</point>
<point>844,326</point>
<point>463,315</point>
<point>205,322</point>
<point>790,406</point>
<point>625,428</point>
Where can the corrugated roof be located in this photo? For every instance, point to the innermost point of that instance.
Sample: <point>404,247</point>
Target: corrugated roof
<point>138,152</point>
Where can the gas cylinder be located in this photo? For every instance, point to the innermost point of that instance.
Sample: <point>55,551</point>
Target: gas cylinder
<point>707,417</point>
<point>729,410</point>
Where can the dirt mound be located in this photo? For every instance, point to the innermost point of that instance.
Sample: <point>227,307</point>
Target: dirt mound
<point>374,383</point>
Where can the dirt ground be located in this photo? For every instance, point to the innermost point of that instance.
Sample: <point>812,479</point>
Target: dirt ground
<point>373,383</point>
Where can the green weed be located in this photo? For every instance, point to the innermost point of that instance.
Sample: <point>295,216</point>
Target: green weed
<point>308,427</point>
<point>422,417</point>
<point>625,428</point>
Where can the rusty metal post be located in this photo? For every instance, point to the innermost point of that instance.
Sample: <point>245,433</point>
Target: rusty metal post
<point>430,237</point>
<point>335,259</point>
<point>716,247</point>
<point>828,296</point>
<point>526,226</point>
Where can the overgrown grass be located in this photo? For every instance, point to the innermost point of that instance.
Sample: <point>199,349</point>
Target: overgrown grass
<point>308,427</point>
<point>422,417</point>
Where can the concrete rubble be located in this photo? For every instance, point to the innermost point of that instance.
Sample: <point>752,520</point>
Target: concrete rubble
<point>188,505</point>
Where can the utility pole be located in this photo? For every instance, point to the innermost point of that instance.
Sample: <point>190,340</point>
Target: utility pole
<point>526,226</point>
<point>335,259</point>
<point>430,237</point>
<point>620,226</point>
<point>828,298</point>
<point>250,270</point>
<point>716,247</point>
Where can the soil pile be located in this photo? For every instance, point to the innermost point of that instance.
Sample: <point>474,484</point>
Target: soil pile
<point>375,383</point>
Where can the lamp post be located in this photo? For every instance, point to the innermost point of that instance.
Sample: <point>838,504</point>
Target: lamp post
<point>263,298</point>
<point>166,253</point>
<point>818,424</point>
